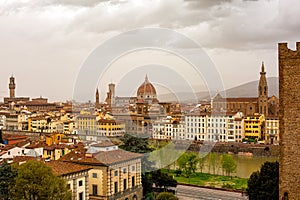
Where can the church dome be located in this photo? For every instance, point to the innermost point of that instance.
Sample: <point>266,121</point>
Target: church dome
<point>146,90</point>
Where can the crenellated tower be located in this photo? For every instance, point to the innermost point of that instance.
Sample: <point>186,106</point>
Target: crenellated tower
<point>289,121</point>
<point>263,92</point>
<point>12,87</point>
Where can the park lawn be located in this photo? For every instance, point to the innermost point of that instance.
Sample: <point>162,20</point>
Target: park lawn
<point>211,180</point>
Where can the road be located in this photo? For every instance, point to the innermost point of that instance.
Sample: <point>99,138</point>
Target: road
<point>196,193</point>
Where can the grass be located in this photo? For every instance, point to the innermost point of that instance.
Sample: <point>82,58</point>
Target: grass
<point>211,180</point>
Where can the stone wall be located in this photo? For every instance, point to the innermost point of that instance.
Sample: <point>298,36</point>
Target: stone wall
<point>289,119</point>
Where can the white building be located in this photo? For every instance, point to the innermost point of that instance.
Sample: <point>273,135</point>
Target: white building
<point>168,129</point>
<point>196,126</point>
<point>272,130</point>
<point>238,127</point>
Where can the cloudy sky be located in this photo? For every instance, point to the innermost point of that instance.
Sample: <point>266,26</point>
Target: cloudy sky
<point>45,43</point>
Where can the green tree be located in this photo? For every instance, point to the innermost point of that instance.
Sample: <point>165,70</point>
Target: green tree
<point>201,162</point>
<point>213,162</point>
<point>264,184</point>
<point>228,164</point>
<point>135,144</point>
<point>188,163</point>
<point>35,181</point>
<point>7,180</point>
<point>149,175</point>
<point>163,180</point>
<point>166,196</point>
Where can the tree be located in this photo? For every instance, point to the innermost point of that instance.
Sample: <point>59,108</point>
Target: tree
<point>213,162</point>
<point>35,181</point>
<point>264,184</point>
<point>188,163</point>
<point>149,175</point>
<point>166,196</point>
<point>228,164</point>
<point>163,180</point>
<point>201,163</point>
<point>135,144</point>
<point>7,180</point>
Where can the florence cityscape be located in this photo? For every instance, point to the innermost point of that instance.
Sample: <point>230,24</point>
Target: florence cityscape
<point>151,99</point>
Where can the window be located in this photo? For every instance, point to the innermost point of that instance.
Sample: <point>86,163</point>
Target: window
<point>69,186</point>
<point>116,187</point>
<point>94,175</point>
<point>124,170</point>
<point>116,173</point>
<point>125,184</point>
<point>95,190</point>
<point>133,181</point>
<point>133,168</point>
<point>80,183</point>
<point>80,196</point>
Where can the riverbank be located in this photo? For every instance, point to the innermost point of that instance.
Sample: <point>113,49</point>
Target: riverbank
<point>211,180</point>
<point>240,148</point>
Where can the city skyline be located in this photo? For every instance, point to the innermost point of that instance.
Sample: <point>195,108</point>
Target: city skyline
<point>44,44</point>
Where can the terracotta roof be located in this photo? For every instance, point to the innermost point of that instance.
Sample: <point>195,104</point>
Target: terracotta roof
<point>103,157</point>
<point>36,145</point>
<point>146,88</point>
<point>105,143</point>
<point>239,99</point>
<point>115,156</point>
<point>18,159</point>
<point>58,146</point>
<point>78,155</point>
<point>60,168</point>
<point>86,116</point>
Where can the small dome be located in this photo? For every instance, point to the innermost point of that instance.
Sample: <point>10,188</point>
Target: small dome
<point>146,90</point>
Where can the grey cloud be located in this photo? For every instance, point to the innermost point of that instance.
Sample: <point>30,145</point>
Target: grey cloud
<point>204,4</point>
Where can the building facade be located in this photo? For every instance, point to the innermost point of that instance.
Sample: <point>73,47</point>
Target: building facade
<point>115,173</point>
<point>289,119</point>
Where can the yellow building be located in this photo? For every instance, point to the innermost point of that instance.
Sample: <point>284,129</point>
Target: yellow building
<point>56,151</point>
<point>86,125</point>
<point>254,127</point>
<point>54,138</point>
<point>110,127</point>
<point>37,124</point>
<point>115,173</point>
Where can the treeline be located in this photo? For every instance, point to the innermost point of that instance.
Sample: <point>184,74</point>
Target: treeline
<point>190,162</point>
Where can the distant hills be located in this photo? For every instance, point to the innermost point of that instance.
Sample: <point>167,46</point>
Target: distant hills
<point>245,90</point>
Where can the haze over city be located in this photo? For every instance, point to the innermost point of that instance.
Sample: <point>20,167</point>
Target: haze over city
<point>45,43</point>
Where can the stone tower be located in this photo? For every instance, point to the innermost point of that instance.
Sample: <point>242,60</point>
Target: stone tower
<point>12,87</point>
<point>289,119</point>
<point>97,103</point>
<point>111,88</point>
<point>263,92</point>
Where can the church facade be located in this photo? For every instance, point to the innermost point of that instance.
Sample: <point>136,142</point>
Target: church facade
<point>262,104</point>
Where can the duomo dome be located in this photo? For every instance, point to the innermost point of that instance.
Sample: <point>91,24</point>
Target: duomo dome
<point>146,92</point>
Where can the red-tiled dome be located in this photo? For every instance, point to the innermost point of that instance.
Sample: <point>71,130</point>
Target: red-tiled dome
<point>146,90</point>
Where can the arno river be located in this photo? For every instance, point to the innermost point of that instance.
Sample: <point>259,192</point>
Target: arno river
<point>246,165</point>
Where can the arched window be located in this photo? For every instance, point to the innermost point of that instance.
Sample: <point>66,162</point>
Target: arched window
<point>285,196</point>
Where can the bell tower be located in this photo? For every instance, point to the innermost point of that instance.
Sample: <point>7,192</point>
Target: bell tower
<point>263,92</point>
<point>12,87</point>
<point>97,103</point>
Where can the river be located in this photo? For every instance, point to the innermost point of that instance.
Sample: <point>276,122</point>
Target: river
<point>246,165</point>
